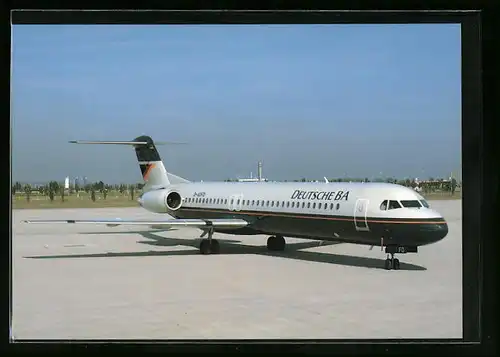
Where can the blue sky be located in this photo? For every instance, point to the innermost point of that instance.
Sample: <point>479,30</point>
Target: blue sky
<point>308,100</point>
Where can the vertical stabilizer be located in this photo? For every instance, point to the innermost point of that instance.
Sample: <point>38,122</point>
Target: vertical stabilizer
<point>153,171</point>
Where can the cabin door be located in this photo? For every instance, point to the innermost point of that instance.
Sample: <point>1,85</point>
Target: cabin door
<point>360,211</point>
<point>235,202</point>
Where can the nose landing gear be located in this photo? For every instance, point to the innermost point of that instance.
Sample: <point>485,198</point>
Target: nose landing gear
<point>391,263</point>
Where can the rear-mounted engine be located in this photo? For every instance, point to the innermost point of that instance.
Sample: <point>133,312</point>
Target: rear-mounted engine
<point>173,201</point>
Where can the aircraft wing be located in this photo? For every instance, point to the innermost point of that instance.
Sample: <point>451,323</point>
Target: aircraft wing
<point>195,223</point>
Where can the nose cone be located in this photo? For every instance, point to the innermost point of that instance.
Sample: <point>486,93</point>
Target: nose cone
<point>433,232</point>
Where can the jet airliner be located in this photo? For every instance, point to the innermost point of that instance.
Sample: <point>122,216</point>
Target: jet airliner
<point>395,217</point>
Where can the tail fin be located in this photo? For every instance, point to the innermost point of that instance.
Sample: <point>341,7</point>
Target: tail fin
<point>153,171</point>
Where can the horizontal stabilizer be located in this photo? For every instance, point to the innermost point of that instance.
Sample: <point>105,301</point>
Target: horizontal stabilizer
<point>124,142</point>
<point>195,223</point>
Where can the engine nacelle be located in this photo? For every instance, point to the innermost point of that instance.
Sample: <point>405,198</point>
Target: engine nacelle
<point>160,201</point>
<point>153,201</point>
<point>173,200</point>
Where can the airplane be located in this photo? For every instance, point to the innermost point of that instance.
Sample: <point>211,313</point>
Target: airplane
<point>395,217</point>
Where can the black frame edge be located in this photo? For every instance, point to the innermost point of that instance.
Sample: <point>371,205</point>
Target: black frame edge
<point>476,158</point>
<point>471,175</point>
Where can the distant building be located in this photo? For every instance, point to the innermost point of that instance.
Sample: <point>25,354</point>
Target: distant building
<point>259,177</point>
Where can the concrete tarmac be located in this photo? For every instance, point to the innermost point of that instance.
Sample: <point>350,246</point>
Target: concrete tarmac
<point>96,282</point>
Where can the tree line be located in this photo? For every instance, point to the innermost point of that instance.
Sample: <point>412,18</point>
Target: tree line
<point>54,188</point>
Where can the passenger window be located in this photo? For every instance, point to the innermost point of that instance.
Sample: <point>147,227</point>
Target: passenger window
<point>394,205</point>
<point>314,205</point>
<point>287,204</point>
<point>383,205</point>
<point>293,204</point>
<point>338,206</point>
<point>267,203</point>
<point>253,202</point>
<point>238,202</point>
<point>303,204</point>
<point>319,205</point>
<point>232,201</point>
<point>331,205</point>
<point>282,203</point>
<point>225,201</point>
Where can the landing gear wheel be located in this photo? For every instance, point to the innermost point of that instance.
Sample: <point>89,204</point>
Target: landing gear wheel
<point>395,264</point>
<point>205,246</point>
<point>388,264</point>
<point>214,246</point>
<point>276,243</point>
<point>209,246</point>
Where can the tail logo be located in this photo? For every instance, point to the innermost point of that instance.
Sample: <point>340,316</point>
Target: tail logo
<point>147,171</point>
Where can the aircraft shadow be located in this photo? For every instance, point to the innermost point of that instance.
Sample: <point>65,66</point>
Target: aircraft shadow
<point>231,246</point>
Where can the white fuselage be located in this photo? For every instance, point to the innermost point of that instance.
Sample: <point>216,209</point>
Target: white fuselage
<point>338,199</point>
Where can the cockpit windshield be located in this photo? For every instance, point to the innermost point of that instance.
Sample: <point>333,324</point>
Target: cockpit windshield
<point>424,203</point>
<point>393,204</point>
<point>411,204</point>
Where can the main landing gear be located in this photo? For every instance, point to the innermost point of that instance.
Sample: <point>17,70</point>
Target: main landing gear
<point>276,243</point>
<point>209,245</point>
